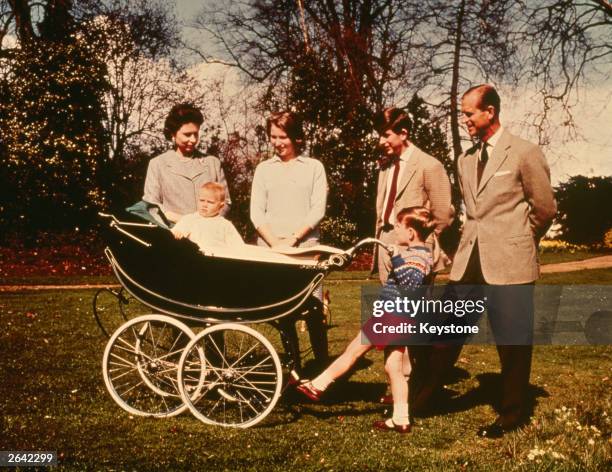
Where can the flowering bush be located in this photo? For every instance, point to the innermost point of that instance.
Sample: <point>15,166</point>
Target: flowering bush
<point>338,231</point>
<point>607,242</point>
<point>554,245</point>
<point>54,254</point>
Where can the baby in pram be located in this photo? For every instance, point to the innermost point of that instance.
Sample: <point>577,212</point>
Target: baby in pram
<point>207,227</point>
<point>216,236</point>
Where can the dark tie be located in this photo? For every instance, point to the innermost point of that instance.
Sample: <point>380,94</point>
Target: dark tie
<point>392,192</point>
<point>482,162</point>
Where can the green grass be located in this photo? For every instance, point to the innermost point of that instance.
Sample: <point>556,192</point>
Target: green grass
<point>52,397</point>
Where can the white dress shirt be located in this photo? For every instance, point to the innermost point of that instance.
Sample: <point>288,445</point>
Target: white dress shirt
<point>491,142</point>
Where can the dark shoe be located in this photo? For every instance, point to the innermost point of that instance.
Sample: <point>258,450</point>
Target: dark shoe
<point>386,400</point>
<point>381,425</point>
<point>496,429</point>
<point>307,389</point>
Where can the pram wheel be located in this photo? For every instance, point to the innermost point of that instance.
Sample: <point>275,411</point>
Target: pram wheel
<point>242,376</point>
<point>140,365</point>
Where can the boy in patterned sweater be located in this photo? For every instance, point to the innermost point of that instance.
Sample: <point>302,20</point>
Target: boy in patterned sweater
<point>411,266</point>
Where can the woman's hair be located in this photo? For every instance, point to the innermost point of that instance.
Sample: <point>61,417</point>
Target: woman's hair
<point>291,124</point>
<point>216,188</point>
<point>180,115</point>
<point>418,218</point>
<point>394,119</point>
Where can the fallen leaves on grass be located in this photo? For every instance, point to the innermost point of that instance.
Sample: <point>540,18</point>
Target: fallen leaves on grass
<point>54,254</point>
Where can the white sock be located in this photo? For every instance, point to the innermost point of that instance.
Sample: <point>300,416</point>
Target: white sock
<point>400,414</point>
<point>323,381</point>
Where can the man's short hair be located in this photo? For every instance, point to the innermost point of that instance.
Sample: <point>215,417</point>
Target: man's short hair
<point>216,188</point>
<point>394,119</point>
<point>488,97</point>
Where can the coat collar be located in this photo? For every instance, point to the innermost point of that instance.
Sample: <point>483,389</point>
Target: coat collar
<point>409,169</point>
<point>404,179</point>
<point>298,158</point>
<point>496,159</point>
<point>188,168</point>
<point>498,156</point>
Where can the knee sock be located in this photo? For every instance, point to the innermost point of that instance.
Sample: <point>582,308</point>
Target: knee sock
<point>323,381</point>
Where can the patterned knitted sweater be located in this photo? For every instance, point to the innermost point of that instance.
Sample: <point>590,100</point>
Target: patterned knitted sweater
<point>410,267</point>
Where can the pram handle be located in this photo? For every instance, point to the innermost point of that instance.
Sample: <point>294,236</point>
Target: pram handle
<point>124,223</point>
<point>340,261</point>
<point>365,241</point>
<point>115,223</point>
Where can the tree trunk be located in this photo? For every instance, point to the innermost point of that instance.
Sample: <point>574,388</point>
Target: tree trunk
<point>454,109</point>
<point>23,20</point>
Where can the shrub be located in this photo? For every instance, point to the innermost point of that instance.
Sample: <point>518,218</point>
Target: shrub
<point>607,242</point>
<point>555,245</point>
<point>338,231</point>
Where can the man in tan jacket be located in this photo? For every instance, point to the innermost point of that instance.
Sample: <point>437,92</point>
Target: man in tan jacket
<point>408,177</point>
<point>509,204</point>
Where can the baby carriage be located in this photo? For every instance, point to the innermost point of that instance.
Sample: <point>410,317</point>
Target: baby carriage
<point>227,374</point>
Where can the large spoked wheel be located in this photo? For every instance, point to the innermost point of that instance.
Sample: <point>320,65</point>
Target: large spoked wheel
<point>140,365</point>
<point>242,376</point>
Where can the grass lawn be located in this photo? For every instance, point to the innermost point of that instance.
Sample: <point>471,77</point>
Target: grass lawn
<point>52,397</point>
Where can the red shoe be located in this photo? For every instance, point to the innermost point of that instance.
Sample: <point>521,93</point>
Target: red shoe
<point>381,425</point>
<point>307,389</point>
<point>386,400</point>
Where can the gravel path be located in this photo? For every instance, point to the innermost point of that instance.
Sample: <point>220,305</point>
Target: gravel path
<point>601,262</point>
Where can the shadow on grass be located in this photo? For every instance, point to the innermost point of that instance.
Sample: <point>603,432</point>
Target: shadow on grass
<point>338,400</point>
<point>340,396</point>
<point>488,392</point>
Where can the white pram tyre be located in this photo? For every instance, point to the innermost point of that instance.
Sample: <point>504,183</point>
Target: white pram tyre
<point>140,365</point>
<point>242,376</point>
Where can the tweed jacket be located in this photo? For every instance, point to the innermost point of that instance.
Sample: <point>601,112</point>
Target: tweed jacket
<point>507,213</point>
<point>423,182</point>
<point>174,183</point>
